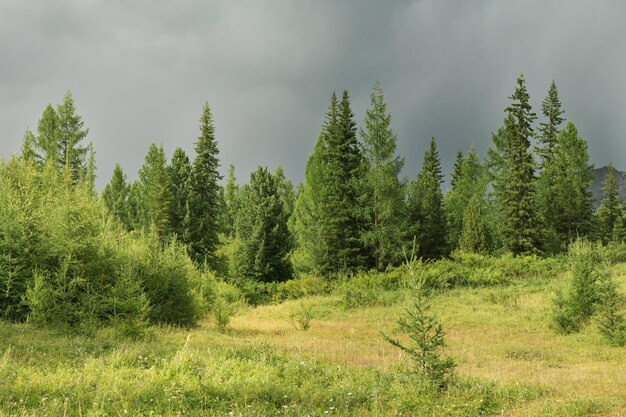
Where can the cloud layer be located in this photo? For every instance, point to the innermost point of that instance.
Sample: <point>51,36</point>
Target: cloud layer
<point>140,72</point>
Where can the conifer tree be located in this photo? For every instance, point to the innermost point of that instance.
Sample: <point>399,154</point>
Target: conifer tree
<point>231,199</point>
<point>549,130</point>
<point>261,226</point>
<point>567,200</point>
<point>427,221</point>
<point>179,172</point>
<point>385,192</point>
<point>154,195</point>
<point>469,179</point>
<point>48,142</point>
<point>204,204</point>
<point>115,196</point>
<point>513,169</point>
<point>473,235</point>
<point>328,221</point>
<point>71,132</point>
<point>285,190</point>
<point>456,170</point>
<point>610,211</point>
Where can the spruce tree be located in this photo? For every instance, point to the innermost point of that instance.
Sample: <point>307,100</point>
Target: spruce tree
<point>115,196</point>
<point>154,194</point>
<point>567,200</point>
<point>231,192</point>
<point>549,130</point>
<point>610,211</point>
<point>179,172</point>
<point>456,170</point>
<point>204,204</point>
<point>328,220</point>
<point>513,169</point>
<point>427,220</point>
<point>469,179</point>
<point>261,226</point>
<point>385,192</point>
<point>71,132</point>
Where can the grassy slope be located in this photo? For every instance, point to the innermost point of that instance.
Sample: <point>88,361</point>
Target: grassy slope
<point>509,362</point>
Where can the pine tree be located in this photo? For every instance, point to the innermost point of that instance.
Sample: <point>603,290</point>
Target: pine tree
<point>154,192</point>
<point>115,196</point>
<point>549,130</point>
<point>567,201</point>
<point>71,132</point>
<point>231,199</point>
<point>456,170</point>
<point>328,221</point>
<point>204,204</point>
<point>469,179</point>
<point>610,210</point>
<point>473,235</point>
<point>261,227</point>
<point>179,172</point>
<point>513,169</point>
<point>286,191</point>
<point>426,213</point>
<point>385,192</point>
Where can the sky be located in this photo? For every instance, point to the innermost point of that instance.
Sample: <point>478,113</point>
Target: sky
<point>141,71</point>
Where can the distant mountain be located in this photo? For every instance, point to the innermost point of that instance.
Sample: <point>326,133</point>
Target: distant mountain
<point>599,175</point>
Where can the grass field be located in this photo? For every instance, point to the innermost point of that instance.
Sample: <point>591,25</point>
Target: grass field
<point>509,362</point>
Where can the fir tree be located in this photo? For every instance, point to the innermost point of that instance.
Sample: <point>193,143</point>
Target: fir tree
<point>456,170</point>
<point>154,192</point>
<point>261,227</point>
<point>469,179</point>
<point>115,196</point>
<point>549,130</point>
<point>204,204</point>
<point>179,172</point>
<point>610,210</point>
<point>426,214</point>
<point>71,132</point>
<point>385,192</point>
<point>513,169</point>
<point>566,198</point>
<point>231,192</point>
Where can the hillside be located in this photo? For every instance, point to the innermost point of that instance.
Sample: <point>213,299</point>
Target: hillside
<point>599,175</point>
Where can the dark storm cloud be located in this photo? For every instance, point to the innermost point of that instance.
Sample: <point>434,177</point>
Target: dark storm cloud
<point>140,71</point>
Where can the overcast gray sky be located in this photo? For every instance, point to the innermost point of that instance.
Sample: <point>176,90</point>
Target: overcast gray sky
<point>141,70</point>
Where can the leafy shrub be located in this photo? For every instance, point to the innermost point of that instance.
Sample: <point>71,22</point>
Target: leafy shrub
<point>301,320</point>
<point>304,286</point>
<point>368,289</point>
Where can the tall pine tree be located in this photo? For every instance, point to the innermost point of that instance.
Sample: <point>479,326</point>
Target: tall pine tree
<point>204,201</point>
<point>384,191</point>
<point>261,226</point>
<point>427,220</point>
<point>115,196</point>
<point>513,168</point>
<point>179,173</point>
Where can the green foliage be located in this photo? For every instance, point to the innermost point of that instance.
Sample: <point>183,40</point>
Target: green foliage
<point>563,188</point>
<point>304,286</point>
<point>512,168</point>
<point>228,300</point>
<point>231,193</point>
<point>261,227</point>
<point>301,319</point>
<point>427,342</point>
<point>115,196</point>
<point>153,193</point>
<point>179,173</point>
<point>204,200</point>
<point>474,235</point>
<point>384,191</point>
<point>590,282</point>
<point>426,212</point>
<point>327,222</point>
<point>549,130</point>
<point>610,211</point>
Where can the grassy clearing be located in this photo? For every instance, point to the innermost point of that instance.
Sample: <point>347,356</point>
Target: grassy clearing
<point>509,363</point>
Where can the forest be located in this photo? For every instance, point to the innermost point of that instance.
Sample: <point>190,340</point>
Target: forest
<point>226,280</point>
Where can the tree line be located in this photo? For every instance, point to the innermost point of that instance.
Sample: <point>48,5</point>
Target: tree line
<point>353,211</point>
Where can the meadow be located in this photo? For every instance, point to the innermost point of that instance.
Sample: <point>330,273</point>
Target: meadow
<point>510,361</point>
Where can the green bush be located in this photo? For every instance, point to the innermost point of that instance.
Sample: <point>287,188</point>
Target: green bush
<point>304,286</point>
<point>367,289</point>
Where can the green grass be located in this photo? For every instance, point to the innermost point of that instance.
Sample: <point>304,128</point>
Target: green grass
<point>510,362</point>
